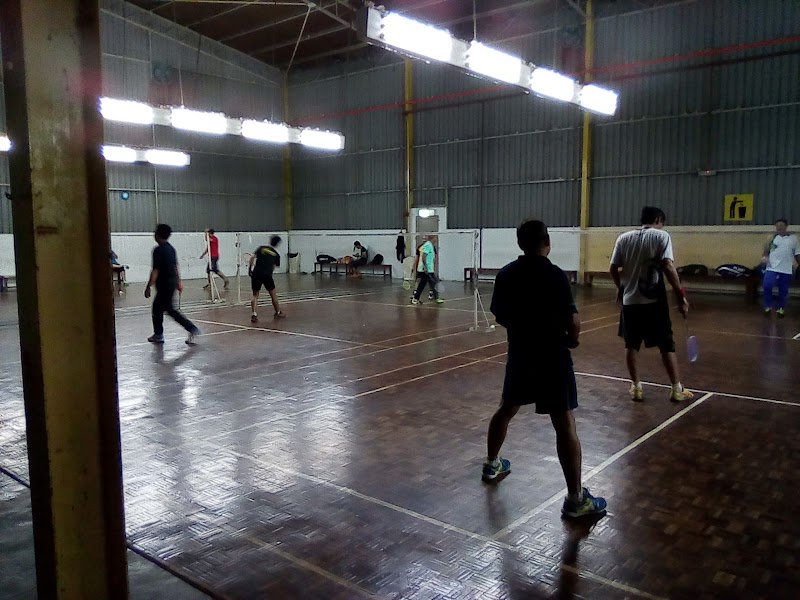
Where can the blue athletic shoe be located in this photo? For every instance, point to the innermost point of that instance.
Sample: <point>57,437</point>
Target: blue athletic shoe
<point>587,507</point>
<point>493,471</point>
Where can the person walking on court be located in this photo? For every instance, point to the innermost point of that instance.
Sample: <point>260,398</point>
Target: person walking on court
<point>213,266</point>
<point>780,254</point>
<point>532,299</point>
<point>167,280</point>
<point>426,265</point>
<point>645,257</point>
<point>262,266</point>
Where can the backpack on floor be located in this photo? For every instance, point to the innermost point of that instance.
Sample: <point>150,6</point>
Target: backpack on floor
<point>693,270</point>
<point>733,271</point>
<point>377,260</point>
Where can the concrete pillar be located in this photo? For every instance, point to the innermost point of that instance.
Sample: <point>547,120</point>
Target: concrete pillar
<point>51,68</point>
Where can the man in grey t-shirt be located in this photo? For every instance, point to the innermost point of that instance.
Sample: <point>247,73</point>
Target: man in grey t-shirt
<point>645,257</point>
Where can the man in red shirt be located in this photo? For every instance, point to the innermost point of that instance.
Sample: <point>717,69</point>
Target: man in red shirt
<point>213,244</point>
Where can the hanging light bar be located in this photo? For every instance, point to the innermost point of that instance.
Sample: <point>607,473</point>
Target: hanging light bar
<point>265,131</point>
<point>5,143</point>
<point>201,122</point>
<point>546,82</point>
<point>215,123</point>
<point>395,32</point>
<point>415,37</point>
<point>126,111</point>
<point>154,156</point>
<point>324,140</point>
<point>597,99</point>
<point>121,154</point>
<point>167,158</point>
<point>493,63</point>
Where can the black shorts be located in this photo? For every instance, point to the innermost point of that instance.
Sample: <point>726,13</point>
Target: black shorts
<point>213,267</point>
<point>359,262</point>
<point>648,323</point>
<point>259,279</point>
<point>550,386</point>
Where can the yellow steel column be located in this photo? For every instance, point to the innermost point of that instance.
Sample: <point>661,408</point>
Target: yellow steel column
<point>408,96</point>
<point>51,69</point>
<point>288,213</point>
<point>586,151</point>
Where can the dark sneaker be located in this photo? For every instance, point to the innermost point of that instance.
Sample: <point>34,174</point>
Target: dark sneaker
<point>588,506</point>
<point>191,340</point>
<point>492,471</point>
<point>156,338</point>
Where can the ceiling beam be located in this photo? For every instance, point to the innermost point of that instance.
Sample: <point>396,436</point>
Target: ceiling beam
<point>329,53</point>
<point>240,5</point>
<point>492,11</point>
<point>574,4</point>
<point>306,38</point>
<point>265,26</point>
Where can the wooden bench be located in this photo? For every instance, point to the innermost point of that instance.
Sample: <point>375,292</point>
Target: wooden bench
<point>333,268</point>
<point>751,284</point>
<point>473,274</point>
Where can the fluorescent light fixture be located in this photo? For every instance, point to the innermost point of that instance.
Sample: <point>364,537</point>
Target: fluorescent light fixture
<point>416,37</point>
<point>425,213</point>
<point>325,140</point>
<point>167,158</point>
<point>552,84</point>
<point>598,99</point>
<point>202,122</point>
<point>265,131</point>
<point>119,154</point>
<point>493,63</point>
<point>126,111</point>
<point>5,143</point>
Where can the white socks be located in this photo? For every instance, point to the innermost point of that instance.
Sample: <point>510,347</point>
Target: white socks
<point>637,384</point>
<point>678,387</point>
<point>576,498</point>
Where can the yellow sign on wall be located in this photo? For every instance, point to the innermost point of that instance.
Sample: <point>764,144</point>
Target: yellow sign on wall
<point>738,207</point>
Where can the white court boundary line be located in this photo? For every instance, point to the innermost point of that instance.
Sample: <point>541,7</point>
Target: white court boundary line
<point>360,394</point>
<point>292,333</point>
<point>797,337</point>
<point>308,566</point>
<point>307,358</point>
<point>714,392</point>
<point>599,468</point>
<point>435,522</point>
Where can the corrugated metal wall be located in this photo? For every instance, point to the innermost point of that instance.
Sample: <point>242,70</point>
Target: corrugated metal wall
<point>363,186</point>
<point>740,120</point>
<point>494,162</point>
<point>232,184</point>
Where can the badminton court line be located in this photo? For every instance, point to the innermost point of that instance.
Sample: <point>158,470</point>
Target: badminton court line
<point>293,333</point>
<point>305,364</point>
<point>797,337</point>
<point>716,393</point>
<point>308,566</point>
<point>558,496</point>
<point>360,394</point>
<point>756,335</point>
<point>431,521</point>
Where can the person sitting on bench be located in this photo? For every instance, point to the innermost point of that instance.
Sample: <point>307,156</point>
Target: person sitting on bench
<point>360,258</point>
<point>118,269</point>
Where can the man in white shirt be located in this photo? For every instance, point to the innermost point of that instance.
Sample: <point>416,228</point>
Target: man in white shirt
<point>645,257</point>
<point>780,254</point>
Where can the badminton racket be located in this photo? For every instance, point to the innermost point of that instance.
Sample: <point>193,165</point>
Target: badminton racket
<point>692,345</point>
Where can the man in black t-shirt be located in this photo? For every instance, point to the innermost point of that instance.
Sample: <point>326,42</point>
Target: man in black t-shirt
<point>262,265</point>
<point>532,299</point>
<point>167,280</point>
